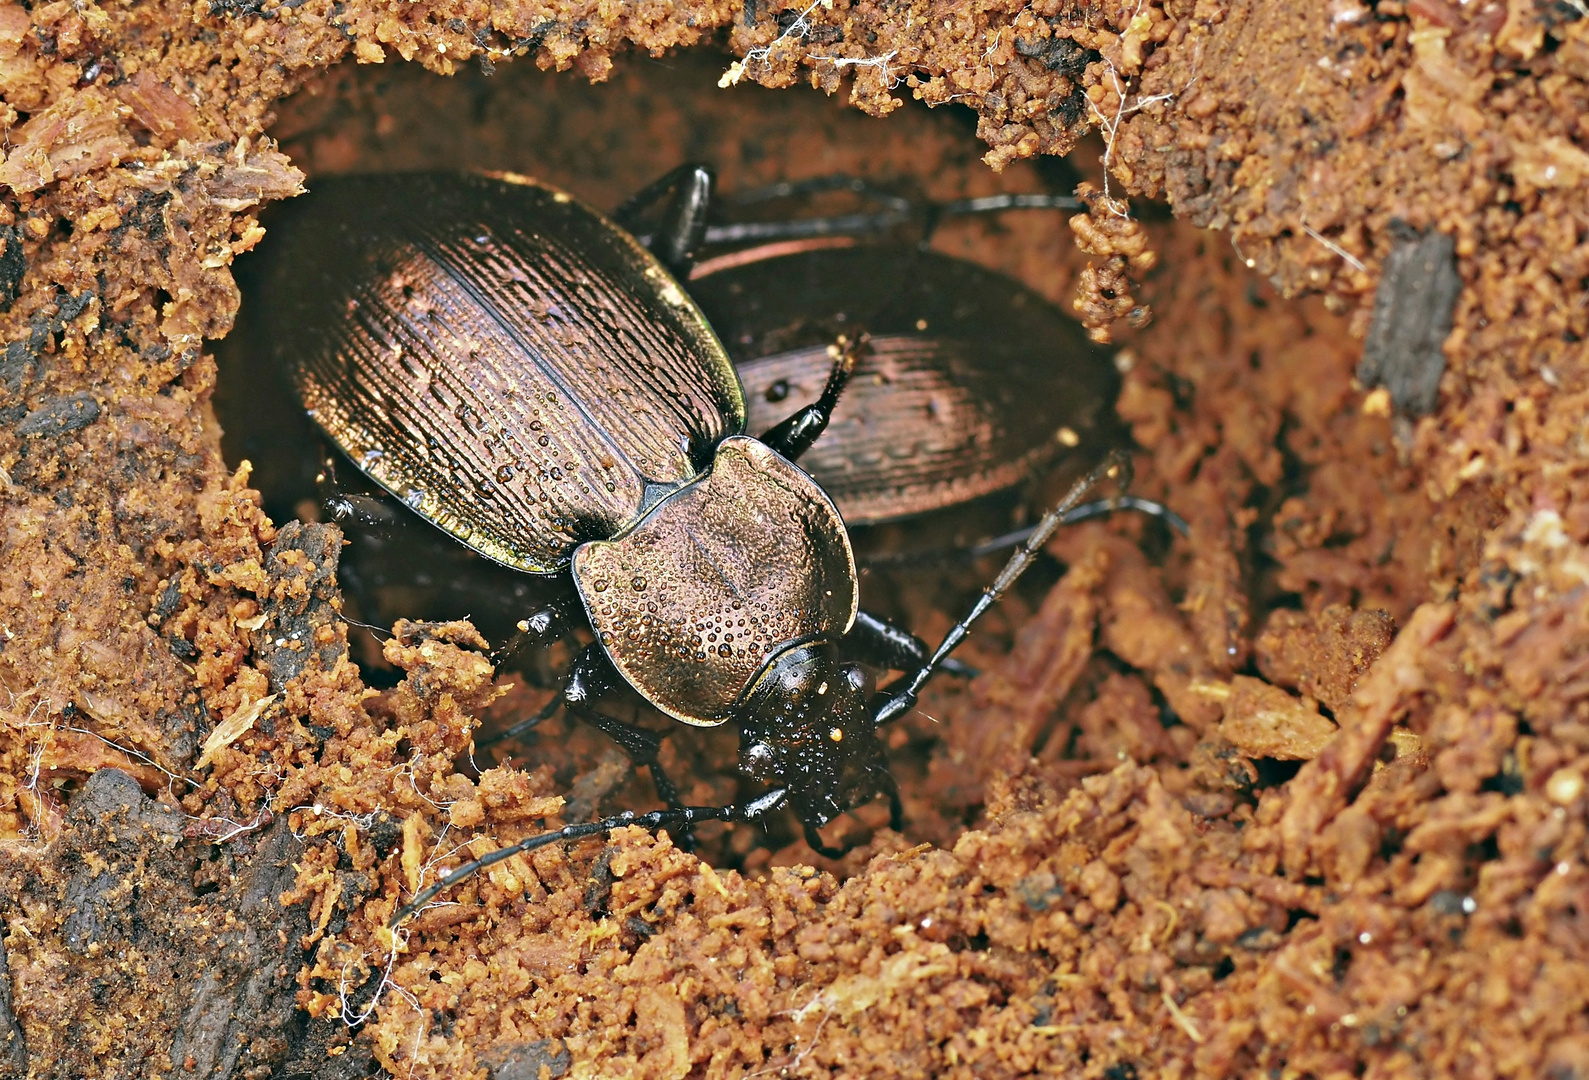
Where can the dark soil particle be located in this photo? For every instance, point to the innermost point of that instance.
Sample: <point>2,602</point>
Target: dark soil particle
<point>1301,794</point>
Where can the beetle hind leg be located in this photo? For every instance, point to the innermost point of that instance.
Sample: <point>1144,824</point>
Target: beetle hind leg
<point>795,435</point>
<point>892,209</point>
<point>682,229</point>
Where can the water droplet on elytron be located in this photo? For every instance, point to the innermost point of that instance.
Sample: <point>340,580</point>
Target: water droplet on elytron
<point>370,458</point>
<point>600,585</point>
<point>535,425</point>
<point>725,650</point>
<point>542,441</point>
<point>639,584</point>
<point>612,487</point>
<point>700,656</point>
<point>504,473</point>
<point>557,474</point>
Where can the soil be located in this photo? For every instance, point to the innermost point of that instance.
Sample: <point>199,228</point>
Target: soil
<point>1301,794</point>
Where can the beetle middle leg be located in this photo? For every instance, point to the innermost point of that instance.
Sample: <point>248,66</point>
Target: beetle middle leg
<point>880,643</point>
<point>896,821</point>
<point>551,623</point>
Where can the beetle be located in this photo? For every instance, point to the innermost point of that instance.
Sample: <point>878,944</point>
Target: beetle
<point>524,374</point>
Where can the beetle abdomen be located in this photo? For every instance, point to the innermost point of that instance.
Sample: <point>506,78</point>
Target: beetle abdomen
<point>499,356</point>
<point>747,561</point>
<point>972,383</point>
<point>915,431</point>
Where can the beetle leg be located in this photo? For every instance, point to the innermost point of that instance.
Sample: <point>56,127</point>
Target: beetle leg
<point>549,624</point>
<point>525,726</point>
<point>896,210</point>
<point>353,509</point>
<point>814,839</point>
<point>683,227</point>
<point>655,819</point>
<point>591,677</point>
<point>1117,467</point>
<point>794,436</point>
<point>882,644</point>
<point>896,820</point>
<point>641,745</point>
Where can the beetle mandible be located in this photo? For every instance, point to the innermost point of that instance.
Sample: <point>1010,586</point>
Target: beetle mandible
<point>528,377</point>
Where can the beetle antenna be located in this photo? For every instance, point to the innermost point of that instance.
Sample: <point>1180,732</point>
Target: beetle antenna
<point>1116,466</point>
<point>654,819</point>
<point>525,726</point>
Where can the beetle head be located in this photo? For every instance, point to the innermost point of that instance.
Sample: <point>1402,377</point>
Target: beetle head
<point>807,725</point>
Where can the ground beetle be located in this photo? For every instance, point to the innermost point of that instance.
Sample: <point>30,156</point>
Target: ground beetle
<point>527,376</point>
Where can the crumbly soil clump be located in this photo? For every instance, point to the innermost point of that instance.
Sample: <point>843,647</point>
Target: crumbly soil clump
<point>1304,792</point>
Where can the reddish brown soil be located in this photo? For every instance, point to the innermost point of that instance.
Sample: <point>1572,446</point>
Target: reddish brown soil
<point>1395,603</point>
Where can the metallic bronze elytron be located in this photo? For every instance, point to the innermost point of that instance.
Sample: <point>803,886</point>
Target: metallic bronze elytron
<point>501,358</point>
<point>972,384</point>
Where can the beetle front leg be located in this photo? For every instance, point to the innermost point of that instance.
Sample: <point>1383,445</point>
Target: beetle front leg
<point>896,821</point>
<point>882,644</point>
